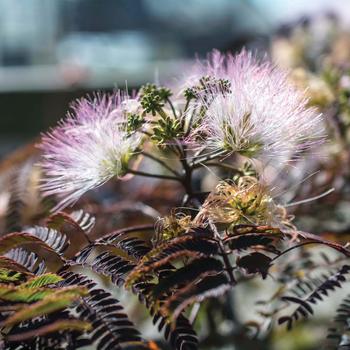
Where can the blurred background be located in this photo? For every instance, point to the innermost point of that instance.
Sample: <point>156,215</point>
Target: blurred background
<point>52,51</point>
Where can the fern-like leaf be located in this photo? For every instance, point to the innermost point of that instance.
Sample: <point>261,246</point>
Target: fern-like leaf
<point>305,307</point>
<point>186,275</point>
<point>111,328</point>
<point>41,281</point>
<point>58,300</point>
<point>53,238</point>
<point>208,286</point>
<point>338,336</point>
<point>28,260</point>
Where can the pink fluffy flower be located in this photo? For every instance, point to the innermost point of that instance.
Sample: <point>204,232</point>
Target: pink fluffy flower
<point>261,114</point>
<point>87,149</point>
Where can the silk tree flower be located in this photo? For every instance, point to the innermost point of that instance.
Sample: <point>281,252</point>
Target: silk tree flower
<point>88,148</point>
<point>260,114</point>
<point>247,201</point>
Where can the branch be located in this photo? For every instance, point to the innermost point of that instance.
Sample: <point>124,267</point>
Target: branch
<point>158,176</point>
<point>211,156</point>
<point>227,263</point>
<point>161,162</point>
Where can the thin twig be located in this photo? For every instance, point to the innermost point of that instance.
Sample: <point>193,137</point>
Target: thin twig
<point>227,263</point>
<point>194,312</point>
<point>343,250</point>
<point>220,165</point>
<point>147,133</point>
<point>207,158</point>
<point>138,228</point>
<point>158,176</point>
<point>187,104</point>
<point>172,107</point>
<point>161,162</point>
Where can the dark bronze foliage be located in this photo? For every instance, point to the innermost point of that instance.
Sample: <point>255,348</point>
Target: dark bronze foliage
<point>305,307</point>
<point>66,307</point>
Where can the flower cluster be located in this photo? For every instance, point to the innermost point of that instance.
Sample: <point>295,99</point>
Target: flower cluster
<point>262,115</point>
<point>172,226</point>
<point>88,148</point>
<point>245,202</point>
<point>237,104</point>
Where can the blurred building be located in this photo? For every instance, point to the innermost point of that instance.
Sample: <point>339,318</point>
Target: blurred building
<point>54,51</point>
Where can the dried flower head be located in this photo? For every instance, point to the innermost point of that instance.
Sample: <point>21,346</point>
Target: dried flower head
<point>261,115</point>
<point>244,202</point>
<point>172,226</point>
<point>88,148</point>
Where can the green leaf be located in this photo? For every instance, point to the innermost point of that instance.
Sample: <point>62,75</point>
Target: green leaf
<point>51,303</point>
<point>7,275</point>
<point>29,295</point>
<point>17,294</point>
<point>41,281</point>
